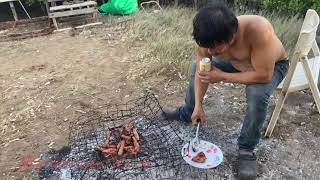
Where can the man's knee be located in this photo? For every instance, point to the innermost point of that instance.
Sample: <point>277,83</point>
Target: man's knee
<point>256,95</point>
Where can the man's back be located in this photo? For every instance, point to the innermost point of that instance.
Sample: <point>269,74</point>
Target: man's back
<point>252,30</point>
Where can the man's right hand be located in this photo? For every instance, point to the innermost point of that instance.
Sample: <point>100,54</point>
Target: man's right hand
<point>198,115</point>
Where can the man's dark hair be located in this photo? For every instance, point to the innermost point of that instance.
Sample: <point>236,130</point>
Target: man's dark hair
<point>213,25</point>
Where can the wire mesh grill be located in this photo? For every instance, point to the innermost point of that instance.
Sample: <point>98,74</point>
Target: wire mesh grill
<point>160,141</point>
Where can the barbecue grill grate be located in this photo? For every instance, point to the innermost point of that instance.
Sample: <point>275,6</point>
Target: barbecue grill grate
<point>160,140</point>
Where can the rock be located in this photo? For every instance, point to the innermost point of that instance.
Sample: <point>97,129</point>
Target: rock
<point>50,145</point>
<point>86,33</point>
<point>14,169</point>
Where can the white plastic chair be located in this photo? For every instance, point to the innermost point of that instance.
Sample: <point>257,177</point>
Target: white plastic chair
<point>303,72</point>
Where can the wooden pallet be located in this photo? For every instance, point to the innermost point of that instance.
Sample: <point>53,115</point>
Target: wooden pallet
<point>57,11</point>
<point>25,28</point>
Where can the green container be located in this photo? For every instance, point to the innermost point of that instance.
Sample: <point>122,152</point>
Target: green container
<point>119,7</point>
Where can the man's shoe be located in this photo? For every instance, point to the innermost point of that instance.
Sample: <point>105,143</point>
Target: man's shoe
<point>247,165</point>
<point>171,113</point>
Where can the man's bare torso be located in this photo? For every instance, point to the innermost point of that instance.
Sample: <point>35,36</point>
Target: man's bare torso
<point>240,52</point>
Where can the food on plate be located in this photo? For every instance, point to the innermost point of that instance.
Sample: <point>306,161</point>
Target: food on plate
<point>199,158</point>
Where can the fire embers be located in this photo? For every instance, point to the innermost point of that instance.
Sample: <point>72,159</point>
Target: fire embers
<point>127,143</point>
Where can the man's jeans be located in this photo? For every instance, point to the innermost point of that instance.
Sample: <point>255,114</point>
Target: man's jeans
<point>257,101</point>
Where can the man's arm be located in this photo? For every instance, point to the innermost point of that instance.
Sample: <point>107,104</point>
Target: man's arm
<point>199,87</point>
<point>262,59</point>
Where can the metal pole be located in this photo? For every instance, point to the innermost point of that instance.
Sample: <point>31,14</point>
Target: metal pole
<point>13,9</point>
<point>24,9</point>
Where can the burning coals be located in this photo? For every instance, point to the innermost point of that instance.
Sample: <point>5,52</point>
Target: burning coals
<point>129,141</point>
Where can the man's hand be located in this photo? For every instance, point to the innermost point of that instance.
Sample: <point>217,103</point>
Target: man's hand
<point>198,114</point>
<point>214,76</point>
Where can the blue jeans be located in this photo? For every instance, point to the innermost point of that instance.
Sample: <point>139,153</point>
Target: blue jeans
<point>257,101</point>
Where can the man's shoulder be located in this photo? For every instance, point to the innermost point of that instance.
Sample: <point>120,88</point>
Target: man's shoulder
<point>258,29</point>
<point>253,23</point>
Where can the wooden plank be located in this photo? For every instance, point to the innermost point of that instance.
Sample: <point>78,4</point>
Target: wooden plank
<point>20,36</point>
<point>71,13</point>
<point>66,7</point>
<point>13,9</point>
<point>55,23</point>
<point>47,7</point>
<point>54,0</point>
<point>283,95</point>
<point>312,83</point>
<point>78,27</point>
<point>2,1</point>
<point>275,114</point>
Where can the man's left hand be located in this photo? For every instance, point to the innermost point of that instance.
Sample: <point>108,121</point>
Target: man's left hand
<point>214,76</point>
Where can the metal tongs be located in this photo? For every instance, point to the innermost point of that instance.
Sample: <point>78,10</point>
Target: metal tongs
<point>195,143</point>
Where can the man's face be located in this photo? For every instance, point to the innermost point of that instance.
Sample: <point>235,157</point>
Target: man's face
<point>218,50</point>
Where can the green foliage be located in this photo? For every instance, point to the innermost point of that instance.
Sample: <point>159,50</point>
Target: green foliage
<point>316,5</point>
<point>287,7</point>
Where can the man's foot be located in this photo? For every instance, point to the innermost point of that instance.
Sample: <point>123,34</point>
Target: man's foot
<point>171,113</point>
<point>247,165</point>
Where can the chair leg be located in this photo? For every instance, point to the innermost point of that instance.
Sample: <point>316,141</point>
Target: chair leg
<point>312,83</point>
<point>283,96</point>
<point>276,113</point>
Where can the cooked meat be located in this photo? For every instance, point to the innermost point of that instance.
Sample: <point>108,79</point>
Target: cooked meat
<point>128,138</point>
<point>135,133</point>
<point>121,148</point>
<point>136,144</point>
<point>199,158</point>
<point>127,128</point>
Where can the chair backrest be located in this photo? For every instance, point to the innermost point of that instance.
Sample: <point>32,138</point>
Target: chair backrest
<point>308,33</point>
<point>305,43</point>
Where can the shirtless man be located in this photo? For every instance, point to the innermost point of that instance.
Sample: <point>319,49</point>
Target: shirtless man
<point>246,50</point>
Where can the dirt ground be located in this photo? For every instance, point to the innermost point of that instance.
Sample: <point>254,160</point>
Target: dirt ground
<point>49,81</point>
<point>46,82</point>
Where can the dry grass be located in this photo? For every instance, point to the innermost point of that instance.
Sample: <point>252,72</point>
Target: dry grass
<point>166,44</point>
<point>287,28</point>
<point>167,41</point>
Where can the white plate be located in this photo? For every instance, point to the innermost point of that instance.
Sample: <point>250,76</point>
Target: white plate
<point>213,154</point>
